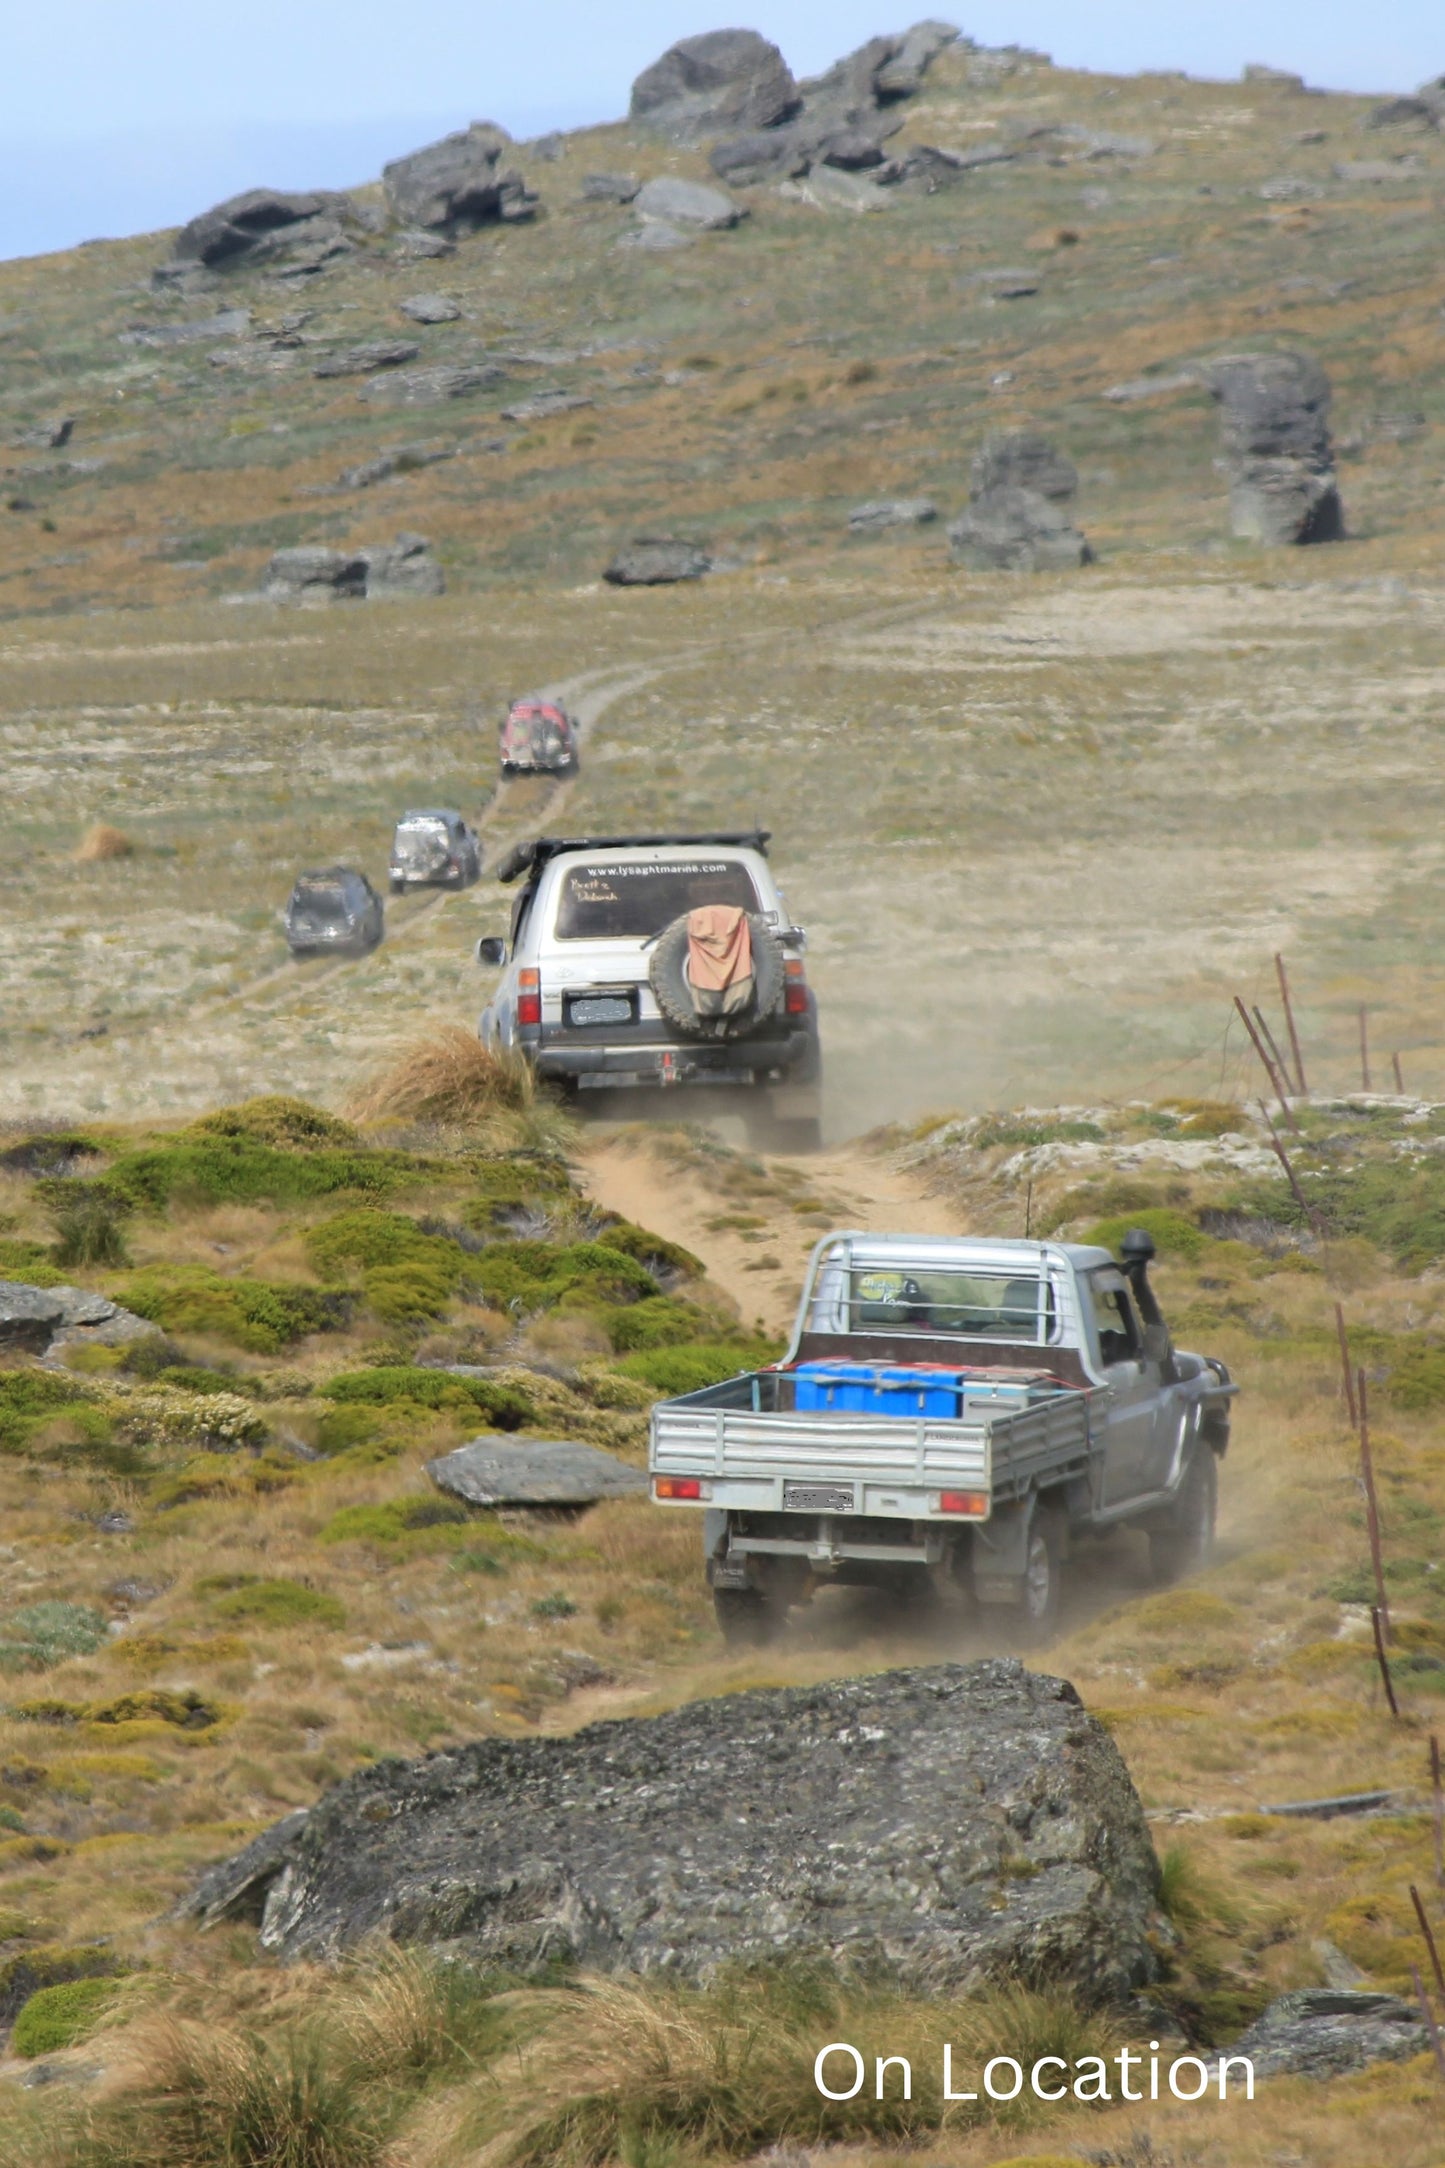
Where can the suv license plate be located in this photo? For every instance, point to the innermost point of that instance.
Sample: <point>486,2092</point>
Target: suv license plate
<point>817,1498</point>
<point>599,1009</point>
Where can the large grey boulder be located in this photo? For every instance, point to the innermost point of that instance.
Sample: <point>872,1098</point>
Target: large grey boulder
<point>249,224</point>
<point>883,512</point>
<point>366,360</point>
<point>402,570</point>
<point>686,203</point>
<point>609,187</point>
<point>433,387</point>
<point>313,573</point>
<point>656,561</point>
<point>723,79</point>
<point>846,114</point>
<point>41,1320</point>
<point>459,183</point>
<point>1022,459</point>
<point>1275,440</point>
<point>939,1827</point>
<point>1324,2032</point>
<point>507,1471</point>
<point>430,308</point>
<point>1016,530</point>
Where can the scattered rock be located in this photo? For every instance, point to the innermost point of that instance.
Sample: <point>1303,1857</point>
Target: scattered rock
<point>1103,143</point>
<point>458,184</point>
<point>47,436</point>
<point>654,237</point>
<point>544,404</point>
<point>252,224</point>
<point>1323,2032</point>
<point>901,75</point>
<point>507,1471</point>
<point>312,573</point>
<point>1016,530</point>
<point>722,79</point>
<point>430,309</point>
<point>1152,387</point>
<point>402,570</point>
<point>368,359</point>
<point>687,203</point>
<point>129,1595</point>
<point>414,246</point>
<point>609,187</point>
<point>1421,112</point>
<point>396,459</point>
<point>892,512</point>
<point>759,156</point>
<point>1022,459</point>
<point>656,561</point>
<point>827,188</point>
<point>845,117</point>
<point>1374,172</point>
<point>40,1320</point>
<point>433,387</point>
<point>1289,188</point>
<point>1274,433</point>
<point>1255,71</point>
<point>200,330</point>
<point>1008,283</point>
<point>960,1823</point>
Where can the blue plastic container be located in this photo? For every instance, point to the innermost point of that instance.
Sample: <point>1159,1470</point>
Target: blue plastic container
<point>870,1389</point>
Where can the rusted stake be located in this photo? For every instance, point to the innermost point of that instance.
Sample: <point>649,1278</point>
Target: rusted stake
<point>1299,1060</point>
<point>1311,1216</point>
<point>1439,1799</point>
<point>1429,1938</point>
<point>1364,1052</point>
<point>1372,1510</point>
<point>1384,1662</point>
<point>1429,2016</point>
<point>1277,1082</point>
<point>1399,1080</point>
<point>1281,1066</point>
<point>1345,1366</point>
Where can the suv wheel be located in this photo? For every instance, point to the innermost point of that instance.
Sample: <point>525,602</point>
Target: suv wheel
<point>1186,1543</point>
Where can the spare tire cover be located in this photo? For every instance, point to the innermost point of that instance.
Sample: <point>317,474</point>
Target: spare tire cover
<point>668,976</point>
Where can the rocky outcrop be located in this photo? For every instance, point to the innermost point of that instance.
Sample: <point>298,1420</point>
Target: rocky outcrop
<point>1324,2032</point>
<point>657,560</point>
<point>1275,441</point>
<point>433,387</point>
<point>609,187</point>
<point>388,572</point>
<point>260,224</point>
<point>366,360</point>
<point>843,118</point>
<point>725,79</point>
<point>1016,519</point>
<point>505,1471</point>
<point>458,184</point>
<point>43,1320</point>
<point>940,1827</point>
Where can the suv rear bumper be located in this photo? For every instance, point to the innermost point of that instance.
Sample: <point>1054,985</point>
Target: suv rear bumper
<point>653,1057</point>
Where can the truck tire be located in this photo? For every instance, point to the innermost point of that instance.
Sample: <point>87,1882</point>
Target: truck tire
<point>668,976</point>
<point>1185,1544</point>
<point>748,1618</point>
<point>1043,1583</point>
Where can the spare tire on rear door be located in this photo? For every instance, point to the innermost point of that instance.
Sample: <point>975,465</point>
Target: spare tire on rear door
<point>746,999</point>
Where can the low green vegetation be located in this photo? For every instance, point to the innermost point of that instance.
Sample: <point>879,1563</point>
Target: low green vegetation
<point>58,2017</point>
<point>42,1634</point>
<point>247,1599</point>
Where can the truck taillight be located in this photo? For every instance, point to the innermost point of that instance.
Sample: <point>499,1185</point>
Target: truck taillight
<point>795,989</point>
<point>529,997</point>
<point>972,1502</point>
<point>678,1486</point>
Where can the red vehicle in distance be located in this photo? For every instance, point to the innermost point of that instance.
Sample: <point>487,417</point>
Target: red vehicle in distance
<point>539,737</point>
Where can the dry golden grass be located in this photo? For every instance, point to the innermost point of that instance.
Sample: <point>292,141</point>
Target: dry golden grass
<point>448,1076</point>
<point>101,843</point>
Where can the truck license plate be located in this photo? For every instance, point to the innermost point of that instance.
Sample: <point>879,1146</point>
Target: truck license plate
<point>817,1498</point>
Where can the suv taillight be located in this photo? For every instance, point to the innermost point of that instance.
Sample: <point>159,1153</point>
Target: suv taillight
<point>529,997</point>
<point>795,988</point>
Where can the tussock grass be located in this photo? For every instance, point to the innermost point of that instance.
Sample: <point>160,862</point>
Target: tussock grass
<point>102,843</point>
<point>448,1076</point>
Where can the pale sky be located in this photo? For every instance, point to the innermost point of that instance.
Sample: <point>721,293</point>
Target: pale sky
<point>120,116</point>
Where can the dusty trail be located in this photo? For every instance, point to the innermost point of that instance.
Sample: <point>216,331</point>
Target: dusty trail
<point>754,1235</point>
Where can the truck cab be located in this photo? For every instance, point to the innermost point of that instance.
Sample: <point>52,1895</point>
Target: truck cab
<point>951,1413</point>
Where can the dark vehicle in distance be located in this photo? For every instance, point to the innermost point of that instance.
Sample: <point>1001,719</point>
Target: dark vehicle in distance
<point>433,849</point>
<point>334,909</point>
<point>539,737</point>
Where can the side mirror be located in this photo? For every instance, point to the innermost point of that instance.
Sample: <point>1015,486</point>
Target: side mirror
<point>794,938</point>
<point>491,950</point>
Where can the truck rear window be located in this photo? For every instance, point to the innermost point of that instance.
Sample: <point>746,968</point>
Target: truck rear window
<point>973,1305</point>
<point>609,901</point>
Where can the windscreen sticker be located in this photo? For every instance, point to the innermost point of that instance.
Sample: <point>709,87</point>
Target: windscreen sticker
<point>879,1286</point>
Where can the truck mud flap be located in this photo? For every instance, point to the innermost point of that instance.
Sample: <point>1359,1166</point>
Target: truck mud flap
<point>1001,1551</point>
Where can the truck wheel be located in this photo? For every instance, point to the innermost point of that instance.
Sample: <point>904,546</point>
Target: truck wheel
<point>1043,1580</point>
<point>1186,1545</point>
<point>748,1618</point>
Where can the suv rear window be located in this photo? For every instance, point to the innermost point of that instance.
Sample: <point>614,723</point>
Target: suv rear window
<point>622,901</point>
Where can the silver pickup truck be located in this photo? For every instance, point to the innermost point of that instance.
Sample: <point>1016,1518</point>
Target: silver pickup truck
<point>952,1416</point>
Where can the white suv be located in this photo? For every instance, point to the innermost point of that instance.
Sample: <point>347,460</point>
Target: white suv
<point>597,919</point>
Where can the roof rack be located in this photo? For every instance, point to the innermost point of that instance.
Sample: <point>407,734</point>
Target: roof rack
<point>530,857</point>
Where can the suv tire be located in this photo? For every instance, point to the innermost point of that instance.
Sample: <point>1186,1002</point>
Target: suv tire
<point>668,974</point>
<point>1186,1543</point>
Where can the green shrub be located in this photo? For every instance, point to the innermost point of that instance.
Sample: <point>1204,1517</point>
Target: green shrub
<point>28,1262</point>
<point>276,1603</point>
<point>653,1252</point>
<point>400,1384</point>
<point>1174,1235</point>
<point>555,1605</point>
<point>658,1321</point>
<point>29,1398</point>
<point>528,1276</point>
<point>89,1220</point>
<point>47,1633</point>
<point>260,1315</point>
<point>1017,1135</point>
<point>411,1525</point>
<point>407,1294</point>
<point>674,1370</point>
<point>289,1124</point>
<point>204,1168</point>
<point>58,2017</point>
<point>341,1429</point>
<point>50,1964</point>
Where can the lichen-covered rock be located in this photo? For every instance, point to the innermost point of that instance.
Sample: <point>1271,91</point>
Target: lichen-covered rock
<point>656,561</point>
<point>1017,530</point>
<point>1022,459</point>
<point>501,1471</point>
<point>722,79</point>
<point>1323,2032</point>
<point>941,1827</point>
<point>1275,440</point>
<point>459,183</point>
<point>686,203</point>
<point>35,1320</point>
